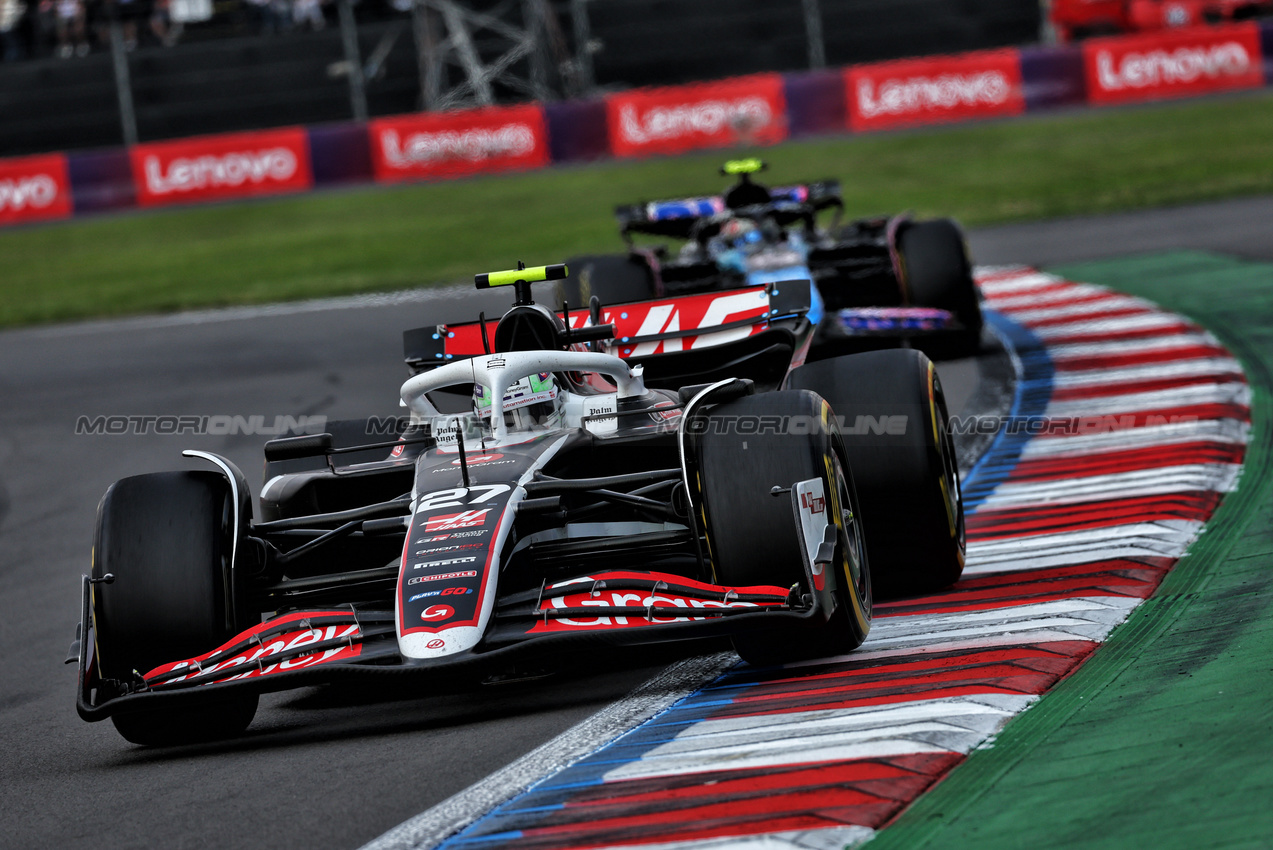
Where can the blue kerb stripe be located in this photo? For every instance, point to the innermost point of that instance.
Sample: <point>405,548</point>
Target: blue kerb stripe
<point>460,840</point>
<point>1030,399</point>
<point>510,821</point>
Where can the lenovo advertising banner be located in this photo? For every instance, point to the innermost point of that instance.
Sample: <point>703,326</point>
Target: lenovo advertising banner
<point>453,144</point>
<point>1173,63</point>
<point>934,89</point>
<point>743,110</point>
<point>211,168</point>
<point>34,188</point>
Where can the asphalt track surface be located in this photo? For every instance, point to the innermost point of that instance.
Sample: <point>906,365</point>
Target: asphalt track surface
<point>319,768</point>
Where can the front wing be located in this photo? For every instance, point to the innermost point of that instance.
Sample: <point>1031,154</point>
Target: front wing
<point>310,647</point>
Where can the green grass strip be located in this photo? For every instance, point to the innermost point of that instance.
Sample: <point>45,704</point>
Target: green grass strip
<point>1163,738</point>
<point>380,238</point>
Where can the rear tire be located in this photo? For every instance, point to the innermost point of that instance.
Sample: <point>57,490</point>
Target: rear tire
<point>938,274</point>
<point>754,537</point>
<point>907,477</point>
<point>612,278</point>
<point>167,538</point>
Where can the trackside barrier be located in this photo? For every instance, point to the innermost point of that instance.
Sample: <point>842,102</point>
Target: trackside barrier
<point>1173,63</point>
<point>221,167</point>
<point>742,110</point>
<point>35,188</point>
<point>756,110</point>
<point>985,84</point>
<point>457,144</point>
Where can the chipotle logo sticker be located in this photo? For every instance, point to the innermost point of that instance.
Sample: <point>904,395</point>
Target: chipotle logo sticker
<point>943,88</point>
<point>229,166</point>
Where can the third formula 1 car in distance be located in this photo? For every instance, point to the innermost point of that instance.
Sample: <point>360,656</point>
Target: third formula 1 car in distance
<point>892,277</point>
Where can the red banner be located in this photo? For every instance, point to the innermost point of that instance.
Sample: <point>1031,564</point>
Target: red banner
<point>1173,63</point>
<point>927,91</point>
<point>452,144</point>
<point>744,110</point>
<point>225,166</point>
<point>34,188</point>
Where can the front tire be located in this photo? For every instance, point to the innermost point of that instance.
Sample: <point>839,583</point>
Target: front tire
<point>898,443</point>
<point>167,539</point>
<point>754,537</point>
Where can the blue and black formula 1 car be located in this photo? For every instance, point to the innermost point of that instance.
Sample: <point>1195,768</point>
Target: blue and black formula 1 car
<point>877,279</point>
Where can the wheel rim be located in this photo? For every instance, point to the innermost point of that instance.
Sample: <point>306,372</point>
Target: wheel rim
<point>950,479</point>
<point>952,494</point>
<point>849,538</point>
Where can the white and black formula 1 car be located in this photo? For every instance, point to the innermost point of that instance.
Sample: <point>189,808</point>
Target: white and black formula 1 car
<point>883,277</point>
<point>562,502</point>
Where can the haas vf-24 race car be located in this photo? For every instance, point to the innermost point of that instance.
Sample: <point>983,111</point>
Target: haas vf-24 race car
<point>878,279</point>
<point>567,504</point>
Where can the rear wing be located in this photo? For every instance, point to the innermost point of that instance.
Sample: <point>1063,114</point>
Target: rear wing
<point>642,327</point>
<point>676,218</point>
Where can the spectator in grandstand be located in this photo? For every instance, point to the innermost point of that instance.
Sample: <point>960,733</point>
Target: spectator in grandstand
<point>10,35</point>
<point>45,28</point>
<point>129,13</point>
<point>275,16</point>
<point>70,27</point>
<point>161,24</point>
<point>308,12</point>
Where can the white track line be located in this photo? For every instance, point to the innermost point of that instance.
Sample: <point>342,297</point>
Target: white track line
<point>238,314</point>
<point>453,814</point>
<point>811,737</point>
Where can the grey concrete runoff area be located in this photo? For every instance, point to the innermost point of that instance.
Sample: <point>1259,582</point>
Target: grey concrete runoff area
<point>330,767</point>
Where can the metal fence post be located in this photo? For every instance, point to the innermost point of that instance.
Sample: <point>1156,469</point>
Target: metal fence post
<point>349,34</point>
<point>123,84</point>
<point>813,32</point>
<point>583,44</point>
<point>424,48</point>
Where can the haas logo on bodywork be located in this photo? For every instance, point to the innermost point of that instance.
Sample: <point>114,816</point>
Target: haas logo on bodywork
<point>479,506</point>
<point>702,313</point>
<point>464,519</point>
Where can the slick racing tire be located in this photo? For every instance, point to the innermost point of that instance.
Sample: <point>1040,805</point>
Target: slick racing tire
<point>893,424</point>
<point>167,539</point>
<point>612,278</point>
<point>754,537</point>
<point>938,275</point>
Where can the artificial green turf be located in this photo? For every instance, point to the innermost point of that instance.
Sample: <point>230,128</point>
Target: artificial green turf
<point>385,238</point>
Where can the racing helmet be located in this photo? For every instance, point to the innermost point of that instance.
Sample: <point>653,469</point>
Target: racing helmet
<point>741,234</point>
<point>531,404</point>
